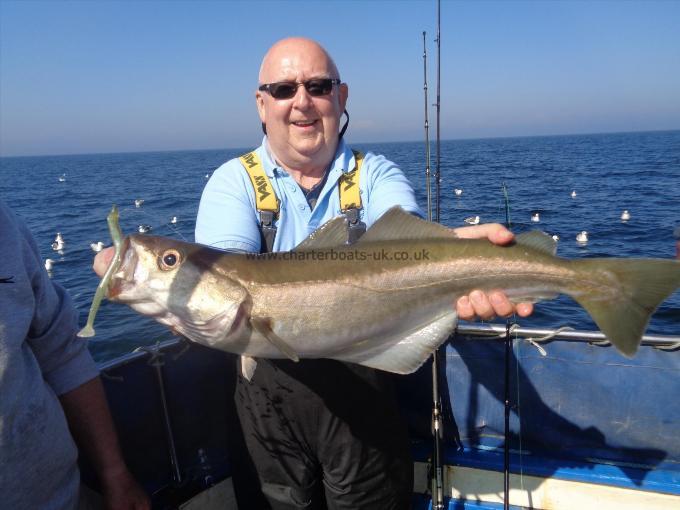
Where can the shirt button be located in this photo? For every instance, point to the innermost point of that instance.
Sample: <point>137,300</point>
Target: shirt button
<point>301,207</point>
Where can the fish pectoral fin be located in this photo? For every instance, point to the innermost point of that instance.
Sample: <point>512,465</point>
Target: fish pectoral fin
<point>263,326</point>
<point>248,366</point>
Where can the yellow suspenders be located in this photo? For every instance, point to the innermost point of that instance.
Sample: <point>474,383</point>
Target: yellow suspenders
<point>349,185</point>
<point>265,198</point>
<point>267,204</point>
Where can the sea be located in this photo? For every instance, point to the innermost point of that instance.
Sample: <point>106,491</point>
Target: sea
<point>573,183</point>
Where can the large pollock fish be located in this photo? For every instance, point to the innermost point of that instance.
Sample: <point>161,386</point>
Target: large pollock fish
<point>385,302</point>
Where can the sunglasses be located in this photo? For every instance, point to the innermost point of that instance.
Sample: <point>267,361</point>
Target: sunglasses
<point>286,89</point>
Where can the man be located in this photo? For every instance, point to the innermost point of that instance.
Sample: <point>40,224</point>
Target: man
<point>48,385</point>
<point>317,429</point>
<point>319,421</point>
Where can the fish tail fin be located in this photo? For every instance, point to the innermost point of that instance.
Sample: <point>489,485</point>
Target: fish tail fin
<point>628,292</point>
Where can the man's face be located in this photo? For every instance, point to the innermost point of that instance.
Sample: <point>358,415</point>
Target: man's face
<point>302,130</point>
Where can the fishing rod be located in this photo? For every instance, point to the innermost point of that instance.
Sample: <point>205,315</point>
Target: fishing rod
<point>508,223</point>
<point>437,174</point>
<point>427,136</point>
<point>437,425</point>
<point>506,390</point>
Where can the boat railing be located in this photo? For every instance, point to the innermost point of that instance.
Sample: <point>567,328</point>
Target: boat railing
<point>538,335</point>
<point>488,331</point>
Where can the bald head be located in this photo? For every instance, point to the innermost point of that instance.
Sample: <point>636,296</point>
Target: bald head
<point>302,130</point>
<point>288,53</point>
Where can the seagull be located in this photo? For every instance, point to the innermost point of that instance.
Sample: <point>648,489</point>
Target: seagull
<point>472,220</point>
<point>555,237</point>
<point>582,237</point>
<point>62,178</point>
<point>573,194</point>
<point>97,247</point>
<point>58,243</point>
<point>143,229</point>
<point>625,215</point>
<point>458,191</point>
<point>173,220</point>
<point>139,202</point>
<point>49,263</point>
<point>535,217</point>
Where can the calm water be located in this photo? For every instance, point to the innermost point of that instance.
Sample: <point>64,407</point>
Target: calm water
<point>639,172</point>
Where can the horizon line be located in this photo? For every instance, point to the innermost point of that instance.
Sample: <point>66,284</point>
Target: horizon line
<point>358,143</point>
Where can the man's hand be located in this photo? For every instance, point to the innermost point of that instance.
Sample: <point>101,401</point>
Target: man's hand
<point>496,303</point>
<point>102,261</point>
<point>122,492</point>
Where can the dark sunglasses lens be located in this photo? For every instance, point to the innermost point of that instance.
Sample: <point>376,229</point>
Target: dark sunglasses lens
<point>282,90</point>
<point>319,87</point>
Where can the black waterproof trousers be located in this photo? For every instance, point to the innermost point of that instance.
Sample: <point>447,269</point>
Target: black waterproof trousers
<point>326,434</point>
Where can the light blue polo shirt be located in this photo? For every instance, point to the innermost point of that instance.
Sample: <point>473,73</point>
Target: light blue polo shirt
<point>228,220</point>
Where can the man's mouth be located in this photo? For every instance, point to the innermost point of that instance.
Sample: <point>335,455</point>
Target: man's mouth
<point>304,123</point>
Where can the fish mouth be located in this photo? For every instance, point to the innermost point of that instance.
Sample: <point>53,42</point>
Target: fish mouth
<point>123,276</point>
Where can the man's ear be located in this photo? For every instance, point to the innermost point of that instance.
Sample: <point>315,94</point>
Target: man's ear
<point>259,101</point>
<point>343,94</point>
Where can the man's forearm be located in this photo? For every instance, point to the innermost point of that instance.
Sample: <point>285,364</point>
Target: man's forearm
<point>92,427</point>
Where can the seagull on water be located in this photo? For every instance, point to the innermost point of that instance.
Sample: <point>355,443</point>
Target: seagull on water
<point>582,237</point>
<point>457,191</point>
<point>139,202</point>
<point>58,243</point>
<point>97,247</point>
<point>173,220</point>
<point>49,263</point>
<point>555,237</point>
<point>535,217</point>
<point>472,220</point>
<point>143,229</point>
<point>625,215</point>
<point>573,194</point>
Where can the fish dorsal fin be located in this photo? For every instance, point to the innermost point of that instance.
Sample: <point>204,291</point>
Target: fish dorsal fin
<point>398,224</point>
<point>539,241</point>
<point>331,234</point>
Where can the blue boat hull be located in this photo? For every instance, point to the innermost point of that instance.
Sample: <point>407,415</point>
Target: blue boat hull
<point>585,422</point>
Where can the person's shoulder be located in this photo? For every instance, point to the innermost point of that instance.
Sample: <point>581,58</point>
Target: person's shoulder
<point>235,167</point>
<point>10,224</point>
<point>373,161</point>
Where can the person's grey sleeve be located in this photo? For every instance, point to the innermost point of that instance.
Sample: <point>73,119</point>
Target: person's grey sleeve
<point>64,358</point>
<point>227,218</point>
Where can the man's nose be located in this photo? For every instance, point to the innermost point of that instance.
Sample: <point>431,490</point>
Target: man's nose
<point>302,98</point>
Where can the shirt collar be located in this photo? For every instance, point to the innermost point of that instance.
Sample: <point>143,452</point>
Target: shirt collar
<point>343,161</point>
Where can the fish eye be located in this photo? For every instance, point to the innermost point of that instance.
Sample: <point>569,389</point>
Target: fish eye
<point>169,260</point>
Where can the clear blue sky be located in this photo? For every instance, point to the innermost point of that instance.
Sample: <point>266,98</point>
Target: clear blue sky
<point>109,76</point>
